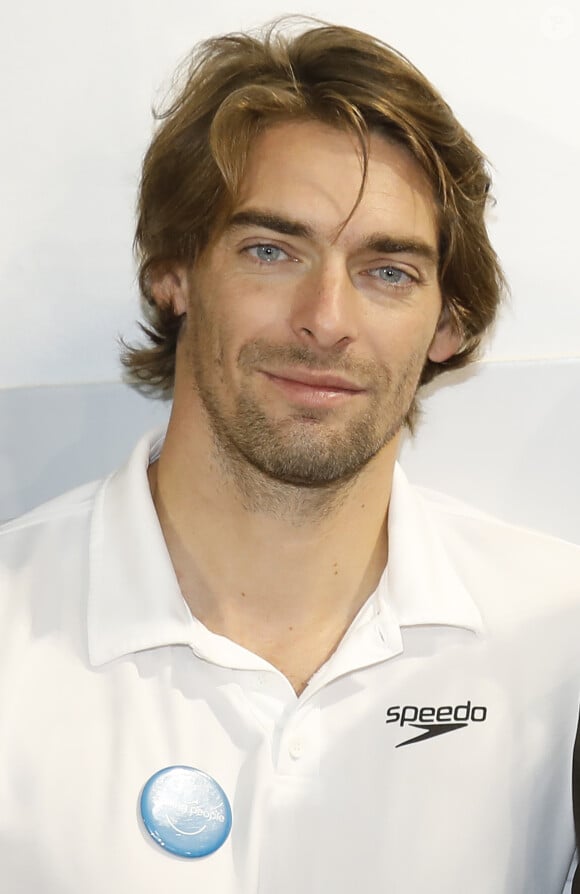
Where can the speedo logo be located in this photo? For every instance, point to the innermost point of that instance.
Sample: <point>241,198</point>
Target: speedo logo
<point>435,721</point>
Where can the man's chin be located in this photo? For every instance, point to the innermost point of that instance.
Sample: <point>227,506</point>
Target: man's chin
<point>316,468</point>
<point>312,480</point>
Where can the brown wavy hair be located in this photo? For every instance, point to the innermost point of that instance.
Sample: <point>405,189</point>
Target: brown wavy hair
<point>234,86</point>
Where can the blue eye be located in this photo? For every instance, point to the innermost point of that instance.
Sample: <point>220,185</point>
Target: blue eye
<point>266,253</point>
<point>392,275</point>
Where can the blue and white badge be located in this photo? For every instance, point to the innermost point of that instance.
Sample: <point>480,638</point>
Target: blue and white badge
<point>186,812</point>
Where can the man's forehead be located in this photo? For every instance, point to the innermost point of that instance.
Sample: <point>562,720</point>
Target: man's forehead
<point>297,139</point>
<point>307,172</point>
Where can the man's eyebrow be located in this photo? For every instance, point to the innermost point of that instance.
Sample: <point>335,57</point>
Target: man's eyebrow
<point>392,245</point>
<point>274,222</point>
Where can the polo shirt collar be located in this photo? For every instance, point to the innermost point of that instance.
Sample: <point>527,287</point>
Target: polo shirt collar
<point>135,602</point>
<point>422,585</point>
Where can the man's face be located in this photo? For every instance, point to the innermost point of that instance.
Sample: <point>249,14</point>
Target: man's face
<point>304,341</point>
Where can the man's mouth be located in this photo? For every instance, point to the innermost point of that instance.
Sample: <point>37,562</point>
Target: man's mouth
<point>320,380</point>
<point>312,387</point>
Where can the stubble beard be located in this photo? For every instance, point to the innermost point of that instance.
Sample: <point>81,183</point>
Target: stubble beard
<point>303,455</point>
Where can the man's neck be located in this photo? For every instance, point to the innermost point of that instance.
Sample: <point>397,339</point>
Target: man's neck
<point>283,573</point>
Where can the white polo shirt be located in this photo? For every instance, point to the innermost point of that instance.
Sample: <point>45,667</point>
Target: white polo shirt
<point>432,752</point>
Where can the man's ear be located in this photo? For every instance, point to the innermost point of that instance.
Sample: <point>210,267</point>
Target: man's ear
<point>169,287</point>
<point>447,340</point>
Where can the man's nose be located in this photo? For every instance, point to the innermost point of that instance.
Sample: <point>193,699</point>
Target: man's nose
<point>326,307</point>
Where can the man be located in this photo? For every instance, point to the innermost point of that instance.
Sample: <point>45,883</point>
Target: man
<point>256,659</point>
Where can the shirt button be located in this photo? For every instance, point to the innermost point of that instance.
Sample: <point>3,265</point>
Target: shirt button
<point>296,748</point>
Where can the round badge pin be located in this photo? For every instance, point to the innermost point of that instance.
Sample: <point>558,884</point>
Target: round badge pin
<point>185,811</point>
